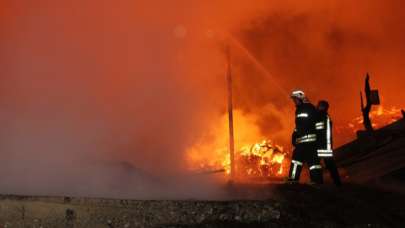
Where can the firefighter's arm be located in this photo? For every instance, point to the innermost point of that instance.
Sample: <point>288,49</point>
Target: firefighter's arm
<point>320,127</point>
<point>294,138</point>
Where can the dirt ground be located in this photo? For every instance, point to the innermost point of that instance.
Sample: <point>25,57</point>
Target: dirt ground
<point>247,206</point>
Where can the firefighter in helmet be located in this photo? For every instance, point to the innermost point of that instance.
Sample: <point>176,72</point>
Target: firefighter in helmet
<point>325,142</point>
<point>304,138</point>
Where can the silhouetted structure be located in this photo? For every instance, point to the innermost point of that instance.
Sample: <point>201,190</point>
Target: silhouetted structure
<point>372,98</point>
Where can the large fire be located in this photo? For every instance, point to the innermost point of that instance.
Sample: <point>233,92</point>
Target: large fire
<point>254,159</point>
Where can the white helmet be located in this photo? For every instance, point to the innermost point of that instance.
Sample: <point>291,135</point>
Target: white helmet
<point>298,94</point>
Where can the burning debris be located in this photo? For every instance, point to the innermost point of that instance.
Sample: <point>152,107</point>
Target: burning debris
<point>261,160</point>
<point>254,159</point>
<point>258,161</point>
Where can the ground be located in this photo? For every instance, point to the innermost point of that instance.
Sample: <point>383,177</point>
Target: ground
<point>269,205</point>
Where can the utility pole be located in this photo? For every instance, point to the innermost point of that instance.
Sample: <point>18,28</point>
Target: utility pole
<point>230,116</point>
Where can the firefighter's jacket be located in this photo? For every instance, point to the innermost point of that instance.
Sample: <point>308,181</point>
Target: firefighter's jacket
<point>306,117</point>
<point>324,135</point>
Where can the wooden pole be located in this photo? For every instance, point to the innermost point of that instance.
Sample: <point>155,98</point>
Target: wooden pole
<point>230,116</point>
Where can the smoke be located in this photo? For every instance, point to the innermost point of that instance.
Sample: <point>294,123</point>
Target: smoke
<point>89,88</point>
<point>94,90</point>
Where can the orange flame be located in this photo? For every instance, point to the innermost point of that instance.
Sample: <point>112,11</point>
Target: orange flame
<point>260,160</point>
<point>379,117</point>
<point>253,160</point>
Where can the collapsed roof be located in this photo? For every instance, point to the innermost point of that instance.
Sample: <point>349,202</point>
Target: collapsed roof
<point>375,155</point>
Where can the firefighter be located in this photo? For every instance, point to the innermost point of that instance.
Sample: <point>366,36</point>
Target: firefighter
<point>325,142</point>
<point>304,140</point>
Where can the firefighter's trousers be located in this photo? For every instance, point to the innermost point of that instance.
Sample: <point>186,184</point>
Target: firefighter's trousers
<point>306,153</point>
<point>333,171</point>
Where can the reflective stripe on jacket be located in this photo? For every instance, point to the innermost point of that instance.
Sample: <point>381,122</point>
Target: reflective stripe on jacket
<point>324,133</point>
